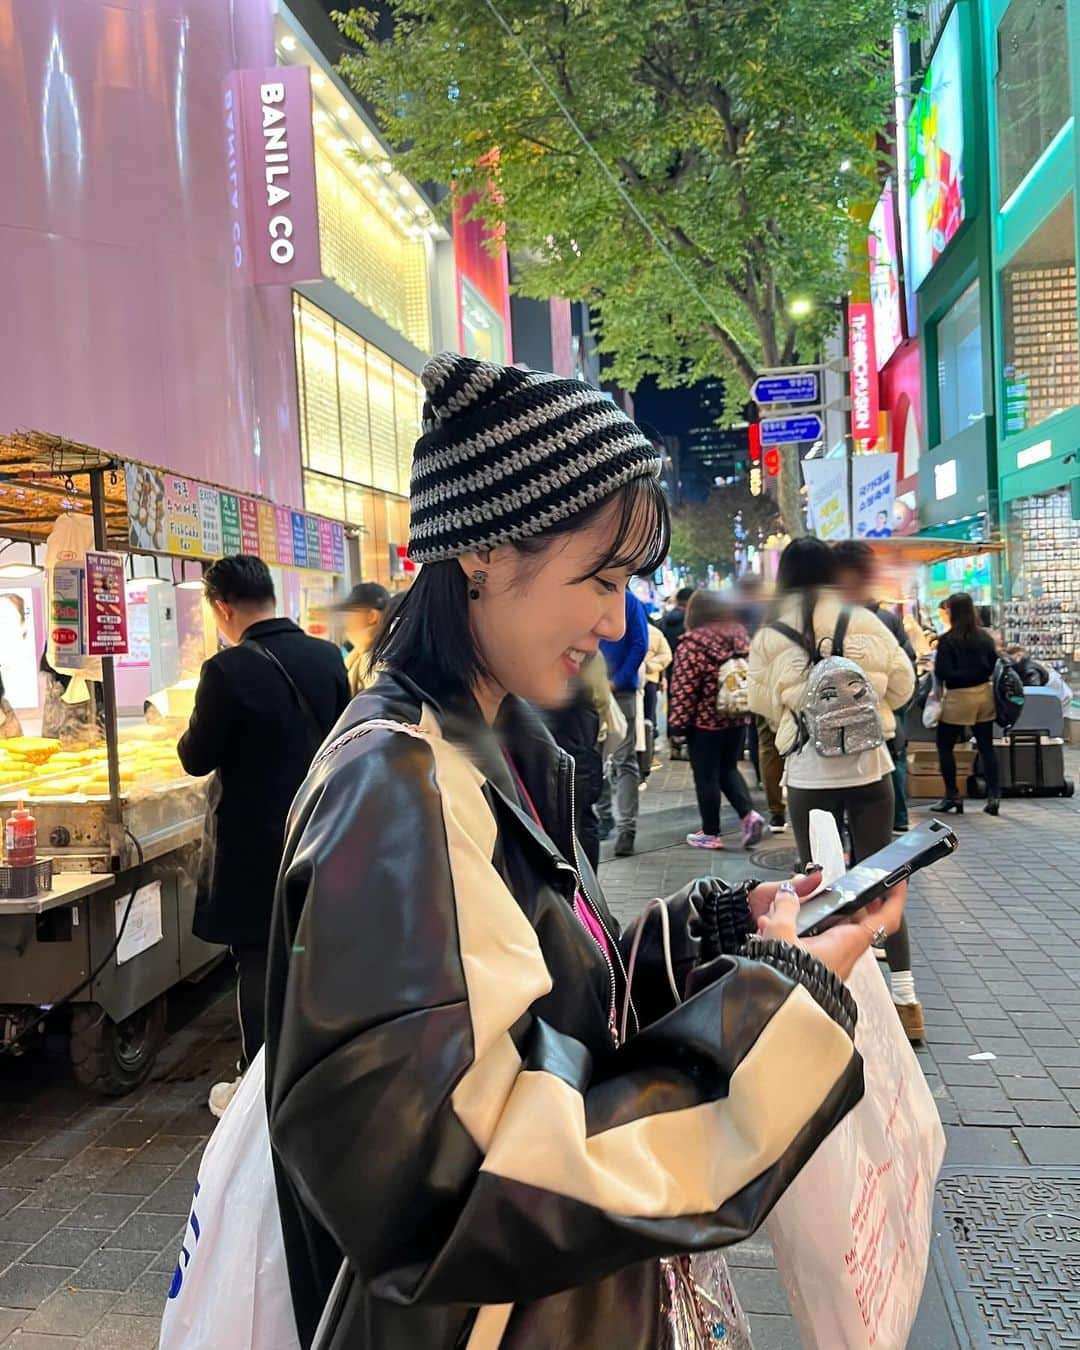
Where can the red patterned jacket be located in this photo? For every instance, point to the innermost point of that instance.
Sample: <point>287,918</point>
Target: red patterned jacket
<point>698,660</point>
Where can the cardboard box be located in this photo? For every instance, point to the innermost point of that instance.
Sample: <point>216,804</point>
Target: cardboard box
<point>929,786</point>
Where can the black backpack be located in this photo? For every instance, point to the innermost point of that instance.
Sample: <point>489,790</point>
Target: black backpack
<point>1008,693</point>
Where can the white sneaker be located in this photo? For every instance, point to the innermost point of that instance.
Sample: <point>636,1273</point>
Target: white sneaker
<point>221,1094</point>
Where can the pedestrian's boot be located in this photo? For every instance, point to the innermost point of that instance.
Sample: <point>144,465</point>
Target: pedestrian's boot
<point>993,806</point>
<point>624,844</point>
<point>911,1019</point>
<point>948,804</point>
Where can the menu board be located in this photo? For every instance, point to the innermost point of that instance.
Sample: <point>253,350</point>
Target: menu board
<point>231,540</point>
<point>249,525</point>
<point>267,533</point>
<point>182,534</point>
<point>299,539</point>
<point>186,518</point>
<point>106,604</point>
<point>283,528</point>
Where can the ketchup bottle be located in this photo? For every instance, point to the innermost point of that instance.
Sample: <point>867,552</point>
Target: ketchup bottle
<point>20,838</point>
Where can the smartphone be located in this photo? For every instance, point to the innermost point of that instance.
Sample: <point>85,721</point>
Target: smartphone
<point>869,880</point>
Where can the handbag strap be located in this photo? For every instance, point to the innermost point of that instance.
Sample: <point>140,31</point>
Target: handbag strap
<point>306,710</point>
<point>840,631</point>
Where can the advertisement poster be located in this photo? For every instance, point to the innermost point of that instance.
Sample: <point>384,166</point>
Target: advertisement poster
<point>827,491</point>
<point>19,650</point>
<point>267,549</point>
<point>873,491</point>
<point>299,540</point>
<point>338,533</point>
<point>182,533</point>
<point>249,525</point>
<point>210,521</point>
<point>936,155</point>
<point>146,507</point>
<point>885,296</point>
<point>106,604</point>
<point>231,541</point>
<point>65,614</point>
<point>283,526</point>
<point>138,620</point>
<point>865,393</point>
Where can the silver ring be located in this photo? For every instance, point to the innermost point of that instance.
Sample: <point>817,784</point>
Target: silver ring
<point>878,936</point>
<point>787,888</point>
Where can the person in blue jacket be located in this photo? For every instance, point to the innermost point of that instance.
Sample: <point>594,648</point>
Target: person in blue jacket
<point>624,661</point>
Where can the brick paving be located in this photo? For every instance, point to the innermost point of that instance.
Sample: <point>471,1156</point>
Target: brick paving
<point>94,1193</point>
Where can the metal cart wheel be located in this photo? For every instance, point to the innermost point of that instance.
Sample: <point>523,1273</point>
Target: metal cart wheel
<point>116,1057</point>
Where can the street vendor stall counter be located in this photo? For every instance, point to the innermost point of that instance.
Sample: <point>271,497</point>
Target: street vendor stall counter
<point>120,819</point>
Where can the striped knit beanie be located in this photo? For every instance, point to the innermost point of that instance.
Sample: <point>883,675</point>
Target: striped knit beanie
<point>507,453</point>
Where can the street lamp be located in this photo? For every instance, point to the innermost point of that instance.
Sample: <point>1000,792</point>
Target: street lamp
<point>800,307</point>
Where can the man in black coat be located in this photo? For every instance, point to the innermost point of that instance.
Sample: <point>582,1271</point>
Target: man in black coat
<point>263,707</point>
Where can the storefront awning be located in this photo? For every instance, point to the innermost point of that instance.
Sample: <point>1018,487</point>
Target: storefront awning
<point>914,549</point>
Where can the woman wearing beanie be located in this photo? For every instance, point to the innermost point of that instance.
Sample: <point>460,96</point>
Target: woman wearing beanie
<point>471,1149</point>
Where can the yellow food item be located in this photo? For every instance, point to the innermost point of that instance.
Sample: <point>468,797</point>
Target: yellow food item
<point>37,749</point>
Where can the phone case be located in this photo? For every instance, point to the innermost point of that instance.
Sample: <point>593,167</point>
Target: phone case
<point>869,880</point>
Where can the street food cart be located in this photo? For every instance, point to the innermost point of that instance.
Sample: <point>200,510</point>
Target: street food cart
<point>95,953</point>
<point>908,566</point>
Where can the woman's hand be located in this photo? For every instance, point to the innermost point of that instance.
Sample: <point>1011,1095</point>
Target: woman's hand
<point>761,897</point>
<point>838,947</point>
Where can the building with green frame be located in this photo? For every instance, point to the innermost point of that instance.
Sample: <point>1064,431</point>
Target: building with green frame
<point>1031,56</point>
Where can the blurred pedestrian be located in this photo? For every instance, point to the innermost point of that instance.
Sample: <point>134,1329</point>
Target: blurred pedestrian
<point>657,661</point>
<point>577,727</point>
<point>752,608</point>
<point>362,613</point>
<point>857,788</point>
<point>963,669</point>
<point>625,656</point>
<point>673,620</point>
<point>856,577</point>
<point>712,647</point>
<point>262,708</point>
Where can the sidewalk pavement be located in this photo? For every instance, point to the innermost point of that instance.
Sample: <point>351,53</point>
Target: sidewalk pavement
<point>95,1193</point>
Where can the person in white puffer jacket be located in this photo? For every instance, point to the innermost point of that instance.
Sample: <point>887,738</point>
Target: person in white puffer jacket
<point>856,788</point>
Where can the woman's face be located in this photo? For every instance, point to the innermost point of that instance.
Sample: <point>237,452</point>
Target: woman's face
<point>536,622</point>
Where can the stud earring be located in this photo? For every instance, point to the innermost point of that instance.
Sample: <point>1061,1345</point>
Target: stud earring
<point>478,579</point>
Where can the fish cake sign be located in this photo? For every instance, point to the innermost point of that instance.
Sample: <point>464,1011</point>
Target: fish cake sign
<point>270,152</point>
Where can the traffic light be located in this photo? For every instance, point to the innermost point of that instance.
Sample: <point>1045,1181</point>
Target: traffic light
<point>772,461</point>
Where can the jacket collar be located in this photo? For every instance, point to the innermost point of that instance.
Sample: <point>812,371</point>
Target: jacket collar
<point>268,627</point>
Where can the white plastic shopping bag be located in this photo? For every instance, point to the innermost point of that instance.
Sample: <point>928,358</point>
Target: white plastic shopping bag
<point>852,1232</point>
<point>231,1287</point>
<point>931,713</point>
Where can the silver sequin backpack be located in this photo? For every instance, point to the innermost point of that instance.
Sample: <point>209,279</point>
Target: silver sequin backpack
<point>841,714</point>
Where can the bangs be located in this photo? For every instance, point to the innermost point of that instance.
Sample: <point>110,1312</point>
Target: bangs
<point>641,538</point>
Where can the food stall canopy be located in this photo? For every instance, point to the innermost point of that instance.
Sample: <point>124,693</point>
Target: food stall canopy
<point>42,476</point>
<point>150,510</point>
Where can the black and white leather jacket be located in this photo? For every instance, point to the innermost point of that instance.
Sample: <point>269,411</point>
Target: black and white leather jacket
<point>448,1109</point>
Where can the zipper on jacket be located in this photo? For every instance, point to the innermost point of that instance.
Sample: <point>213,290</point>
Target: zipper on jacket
<point>594,910</point>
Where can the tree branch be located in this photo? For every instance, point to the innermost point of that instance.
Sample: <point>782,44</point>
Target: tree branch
<point>733,350</point>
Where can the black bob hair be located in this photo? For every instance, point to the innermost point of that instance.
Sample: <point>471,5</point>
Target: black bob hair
<point>430,639</point>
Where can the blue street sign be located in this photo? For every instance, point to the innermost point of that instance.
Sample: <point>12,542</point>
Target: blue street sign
<point>789,430</point>
<point>786,389</point>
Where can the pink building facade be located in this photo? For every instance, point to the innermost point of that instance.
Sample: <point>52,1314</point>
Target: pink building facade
<point>126,324</point>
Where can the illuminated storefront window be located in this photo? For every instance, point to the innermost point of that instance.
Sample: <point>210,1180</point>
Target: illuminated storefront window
<point>370,245</point>
<point>359,420</point>
<point>1039,332</point>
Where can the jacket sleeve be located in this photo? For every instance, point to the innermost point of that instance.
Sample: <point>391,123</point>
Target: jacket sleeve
<point>202,746</point>
<point>659,657</point>
<point>686,675</point>
<point>456,1144</point>
<point>777,684</point>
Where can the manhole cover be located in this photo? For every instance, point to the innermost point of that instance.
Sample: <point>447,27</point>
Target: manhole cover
<point>1016,1235</point>
<point>781,858</point>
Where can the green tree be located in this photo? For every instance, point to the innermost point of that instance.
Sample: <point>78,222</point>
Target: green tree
<point>682,165</point>
<point>703,534</point>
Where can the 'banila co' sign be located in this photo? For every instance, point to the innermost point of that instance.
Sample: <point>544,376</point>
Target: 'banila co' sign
<point>270,159</point>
